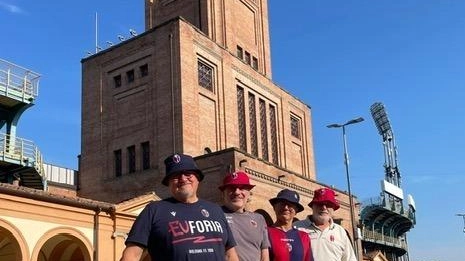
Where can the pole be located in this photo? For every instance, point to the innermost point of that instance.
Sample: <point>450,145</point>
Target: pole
<point>351,201</point>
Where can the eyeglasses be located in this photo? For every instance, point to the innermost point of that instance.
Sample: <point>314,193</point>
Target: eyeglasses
<point>187,175</point>
<point>290,206</point>
<point>240,187</point>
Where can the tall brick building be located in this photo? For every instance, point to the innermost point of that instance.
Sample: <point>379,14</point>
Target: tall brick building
<point>198,81</point>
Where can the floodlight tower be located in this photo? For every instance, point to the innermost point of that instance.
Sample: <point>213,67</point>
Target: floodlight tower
<point>386,215</point>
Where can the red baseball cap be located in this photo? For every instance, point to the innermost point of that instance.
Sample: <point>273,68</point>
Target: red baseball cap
<point>238,178</point>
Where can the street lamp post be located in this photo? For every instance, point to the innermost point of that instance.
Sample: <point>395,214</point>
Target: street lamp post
<point>346,163</point>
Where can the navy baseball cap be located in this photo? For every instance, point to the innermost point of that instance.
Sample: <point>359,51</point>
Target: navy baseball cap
<point>290,196</point>
<point>179,163</point>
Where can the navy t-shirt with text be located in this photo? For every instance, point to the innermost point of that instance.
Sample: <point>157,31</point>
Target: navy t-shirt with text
<point>172,230</point>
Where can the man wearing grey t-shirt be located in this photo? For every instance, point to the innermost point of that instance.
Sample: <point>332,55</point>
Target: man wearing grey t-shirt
<point>248,228</point>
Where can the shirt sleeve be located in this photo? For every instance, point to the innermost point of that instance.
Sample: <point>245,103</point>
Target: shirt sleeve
<point>349,254</point>
<point>140,230</point>
<point>265,240</point>
<point>230,241</point>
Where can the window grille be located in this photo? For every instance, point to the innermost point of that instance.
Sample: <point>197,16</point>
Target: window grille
<point>274,135</point>
<point>253,125</point>
<point>295,127</point>
<point>241,119</point>
<point>263,129</point>
<point>205,75</point>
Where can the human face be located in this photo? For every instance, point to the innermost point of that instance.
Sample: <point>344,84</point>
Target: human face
<point>183,187</point>
<point>322,213</point>
<point>235,197</point>
<point>285,211</point>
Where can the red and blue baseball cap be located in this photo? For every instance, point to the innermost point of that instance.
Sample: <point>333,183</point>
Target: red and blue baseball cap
<point>180,163</point>
<point>238,178</point>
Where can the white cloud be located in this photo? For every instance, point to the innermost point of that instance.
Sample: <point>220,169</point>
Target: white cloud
<point>11,8</point>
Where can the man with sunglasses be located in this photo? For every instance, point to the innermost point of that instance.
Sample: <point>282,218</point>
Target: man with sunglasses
<point>181,227</point>
<point>249,228</point>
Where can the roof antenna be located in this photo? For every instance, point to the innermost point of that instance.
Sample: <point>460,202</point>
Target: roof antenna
<point>96,34</point>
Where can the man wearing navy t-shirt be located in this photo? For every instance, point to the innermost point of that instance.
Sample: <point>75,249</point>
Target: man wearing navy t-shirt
<point>182,227</point>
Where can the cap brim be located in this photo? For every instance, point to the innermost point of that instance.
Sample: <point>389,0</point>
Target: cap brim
<point>273,201</point>
<point>166,179</point>
<point>248,186</point>
<point>330,204</point>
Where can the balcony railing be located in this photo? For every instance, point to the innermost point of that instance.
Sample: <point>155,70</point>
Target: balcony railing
<point>393,206</point>
<point>380,238</point>
<point>18,82</point>
<point>20,151</point>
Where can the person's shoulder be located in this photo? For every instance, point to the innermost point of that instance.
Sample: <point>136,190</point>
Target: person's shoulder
<point>209,204</point>
<point>160,203</point>
<point>256,216</point>
<point>303,222</point>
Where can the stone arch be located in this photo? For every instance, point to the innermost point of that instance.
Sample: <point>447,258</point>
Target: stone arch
<point>63,243</point>
<point>13,246</point>
<point>268,218</point>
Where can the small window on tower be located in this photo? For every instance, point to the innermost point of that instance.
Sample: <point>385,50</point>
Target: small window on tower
<point>240,52</point>
<point>117,81</point>
<point>118,164</point>
<point>247,57</point>
<point>145,146</point>
<point>131,159</point>
<point>295,127</point>
<point>255,63</point>
<point>144,70</point>
<point>130,76</point>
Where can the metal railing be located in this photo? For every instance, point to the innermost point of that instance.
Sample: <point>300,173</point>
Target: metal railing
<point>396,207</point>
<point>18,82</point>
<point>21,151</point>
<point>377,237</point>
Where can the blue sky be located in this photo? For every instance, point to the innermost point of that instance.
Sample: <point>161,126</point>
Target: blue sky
<point>339,57</point>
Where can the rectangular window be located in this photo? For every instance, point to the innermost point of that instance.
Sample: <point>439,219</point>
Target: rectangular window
<point>263,129</point>
<point>117,81</point>
<point>130,76</point>
<point>247,57</point>
<point>240,52</point>
<point>145,147</point>
<point>274,135</point>
<point>132,159</point>
<point>255,63</point>
<point>295,127</point>
<point>205,75</point>
<point>118,164</point>
<point>241,119</point>
<point>144,70</point>
<point>253,125</point>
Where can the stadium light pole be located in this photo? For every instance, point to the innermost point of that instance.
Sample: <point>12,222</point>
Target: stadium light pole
<point>346,163</point>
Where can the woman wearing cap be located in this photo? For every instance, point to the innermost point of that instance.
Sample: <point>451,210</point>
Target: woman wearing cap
<point>288,243</point>
<point>329,240</point>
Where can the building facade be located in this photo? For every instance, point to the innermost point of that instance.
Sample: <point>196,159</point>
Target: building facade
<point>197,81</point>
